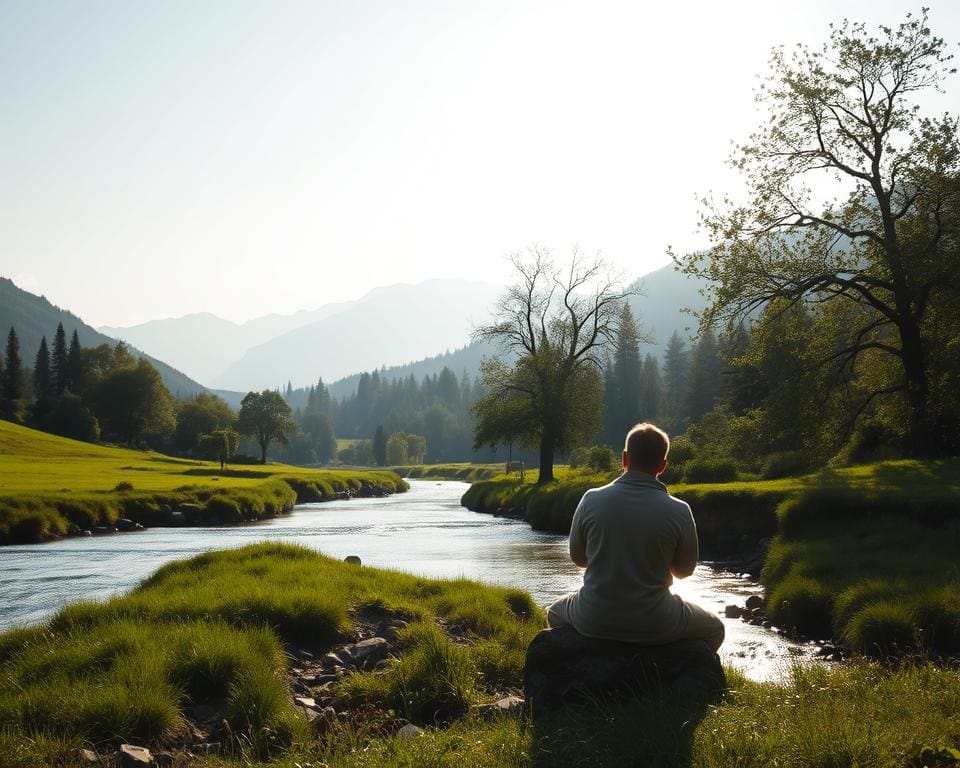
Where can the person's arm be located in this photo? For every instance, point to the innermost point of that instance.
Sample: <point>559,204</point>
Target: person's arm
<point>578,545</point>
<point>688,549</point>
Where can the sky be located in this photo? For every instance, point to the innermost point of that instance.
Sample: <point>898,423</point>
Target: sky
<point>244,158</point>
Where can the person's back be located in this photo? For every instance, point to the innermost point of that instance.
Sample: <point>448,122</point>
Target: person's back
<point>633,538</point>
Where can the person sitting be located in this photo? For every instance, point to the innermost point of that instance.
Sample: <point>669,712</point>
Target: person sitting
<point>633,538</point>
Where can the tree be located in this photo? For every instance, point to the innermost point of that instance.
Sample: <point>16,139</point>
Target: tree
<point>11,387</point>
<point>204,414</point>
<point>131,401</point>
<point>75,364</point>
<point>266,417</point>
<point>703,377</point>
<point>59,364</point>
<point>676,361</point>
<point>396,449</point>
<point>416,448</point>
<point>622,386</point>
<point>650,397</point>
<point>379,446</point>
<point>846,117</point>
<point>42,382</point>
<point>557,321</point>
<point>220,445</point>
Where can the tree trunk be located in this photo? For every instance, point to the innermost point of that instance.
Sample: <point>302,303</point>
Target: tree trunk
<point>922,441</point>
<point>263,452</point>
<point>546,459</point>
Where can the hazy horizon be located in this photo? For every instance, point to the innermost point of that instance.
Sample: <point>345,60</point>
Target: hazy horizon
<point>245,159</point>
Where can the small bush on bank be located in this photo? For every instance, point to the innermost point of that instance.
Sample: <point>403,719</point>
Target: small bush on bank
<point>786,464</point>
<point>803,605</point>
<point>882,630</point>
<point>709,471</point>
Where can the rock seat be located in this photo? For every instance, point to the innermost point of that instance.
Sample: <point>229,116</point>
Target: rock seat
<point>564,667</point>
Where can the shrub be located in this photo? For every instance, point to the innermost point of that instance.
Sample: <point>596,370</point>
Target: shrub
<point>802,605</point>
<point>709,471</point>
<point>785,464</point>
<point>882,630</point>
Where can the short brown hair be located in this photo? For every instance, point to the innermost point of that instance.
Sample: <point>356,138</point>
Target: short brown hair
<point>646,445</point>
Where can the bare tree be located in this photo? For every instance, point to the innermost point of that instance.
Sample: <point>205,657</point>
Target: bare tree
<point>556,319</point>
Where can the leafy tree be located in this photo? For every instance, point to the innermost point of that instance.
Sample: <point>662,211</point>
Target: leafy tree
<point>557,321</point>
<point>846,117</point>
<point>131,401</point>
<point>416,448</point>
<point>266,417</point>
<point>204,414</point>
<point>396,449</point>
<point>379,446</point>
<point>71,417</point>
<point>58,363</point>
<point>11,387</point>
<point>220,445</point>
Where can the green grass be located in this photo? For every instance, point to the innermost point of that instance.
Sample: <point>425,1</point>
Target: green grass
<point>50,483</point>
<point>465,471</point>
<point>213,629</point>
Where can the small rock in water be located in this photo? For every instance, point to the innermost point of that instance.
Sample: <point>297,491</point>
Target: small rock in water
<point>754,601</point>
<point>352,559</point>
<point>733,611</point>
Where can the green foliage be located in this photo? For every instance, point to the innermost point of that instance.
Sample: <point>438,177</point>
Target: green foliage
<point>131,401</point>
<point>801,604</point>
<point>707,470</point>
<point>596,459</point>
<point>203,414</point>
<point>267,417</point>
<point>882,630</point>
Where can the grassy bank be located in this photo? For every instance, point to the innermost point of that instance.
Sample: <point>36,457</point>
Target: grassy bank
<point>465,472</point>
<point>218,632</point>
<point>866,555</point>
<point>50,484</point>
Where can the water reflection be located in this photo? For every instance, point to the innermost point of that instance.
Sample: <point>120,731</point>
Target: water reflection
<point>424,531</point>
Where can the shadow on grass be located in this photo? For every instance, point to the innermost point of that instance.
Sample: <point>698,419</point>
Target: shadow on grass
<point>651,732</point>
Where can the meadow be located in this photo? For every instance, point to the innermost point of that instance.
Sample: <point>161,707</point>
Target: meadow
<point>50,485</point>
<point>224,630</point>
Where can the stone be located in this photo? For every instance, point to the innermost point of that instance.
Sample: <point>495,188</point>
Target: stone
<point>733,611</point>
<point>410,731</point>
<point>306,702</point>
<point>353,560</point>
<point>754,601</point>
<point>87,756</point>
<point>564,667</point>
<point>326,717</point>
<point>132,756</point>
<point>509,705</point>
<point>332,660</point>
<point>371,650</point>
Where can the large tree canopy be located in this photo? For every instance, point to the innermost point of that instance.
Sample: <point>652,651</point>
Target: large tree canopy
<point>557,322</point>
<point>846,118</point>
<point>267,417</point>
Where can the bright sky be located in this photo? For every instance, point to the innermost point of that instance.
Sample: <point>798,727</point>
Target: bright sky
<point>160,158</point>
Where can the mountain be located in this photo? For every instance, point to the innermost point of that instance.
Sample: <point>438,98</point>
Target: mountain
<point>660,303</point>
<point>204,345</point>
<point>388,326</point>
<point>34,317</point>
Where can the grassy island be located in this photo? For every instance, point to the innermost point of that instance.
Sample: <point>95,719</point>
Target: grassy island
<point>50,485</point>
<point>205,661</point>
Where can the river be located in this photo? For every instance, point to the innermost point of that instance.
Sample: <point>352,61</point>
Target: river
<point>424,531</point>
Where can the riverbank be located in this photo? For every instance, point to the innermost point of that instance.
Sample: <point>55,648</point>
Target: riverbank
<point>51,486</point>
<point>464,472</point>
<point>206,661</point>
<point>863,555</point>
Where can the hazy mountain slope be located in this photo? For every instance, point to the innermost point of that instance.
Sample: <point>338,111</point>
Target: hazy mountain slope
<point>658,308</point>
<point>204,345</point>
<point>389,326</point>
<point>35,317</point>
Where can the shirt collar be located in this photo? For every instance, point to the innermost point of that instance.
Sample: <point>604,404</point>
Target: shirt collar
<point>636,477</point>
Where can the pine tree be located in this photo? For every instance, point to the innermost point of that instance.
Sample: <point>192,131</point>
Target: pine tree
<point>59,365</point>
<point>650,397</point>
<point>42,382</point>
<point>12,389</point>
<point>675,364</point>
<point>622,387</point>
<point>704,378</point>
<point>380,446</point>
<point>75,364</point>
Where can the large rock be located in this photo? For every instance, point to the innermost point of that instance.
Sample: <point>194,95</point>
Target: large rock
<point>564,667</point>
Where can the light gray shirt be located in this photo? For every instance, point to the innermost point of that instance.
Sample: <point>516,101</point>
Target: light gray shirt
<point>635,537</point>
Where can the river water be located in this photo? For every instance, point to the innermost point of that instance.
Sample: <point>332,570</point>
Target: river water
<point>424,531</point>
